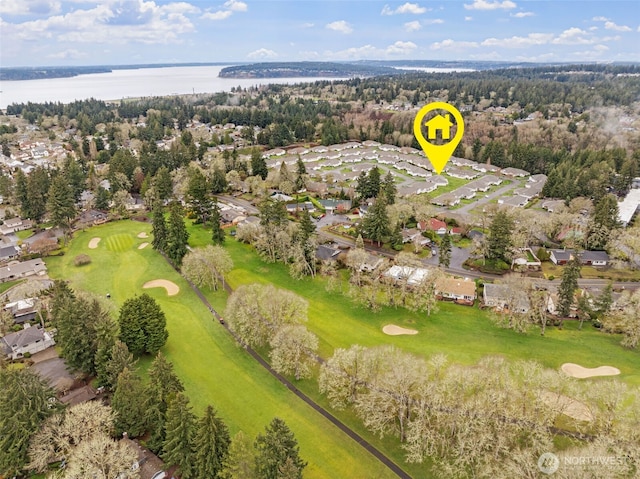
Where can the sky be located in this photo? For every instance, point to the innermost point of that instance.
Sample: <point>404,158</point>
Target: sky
<point>121,32</point>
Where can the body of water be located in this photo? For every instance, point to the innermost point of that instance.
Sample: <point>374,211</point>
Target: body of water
<point>134,83</point>
<point>141,82</point>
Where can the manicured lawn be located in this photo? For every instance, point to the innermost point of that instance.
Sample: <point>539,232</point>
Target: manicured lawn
<point>212,367</point>
<point>464,333</point>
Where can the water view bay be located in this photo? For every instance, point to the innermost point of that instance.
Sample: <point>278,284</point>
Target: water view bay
<point>132,83</point>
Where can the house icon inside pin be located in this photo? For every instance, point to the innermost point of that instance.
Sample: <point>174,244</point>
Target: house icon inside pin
<point>439,122</point>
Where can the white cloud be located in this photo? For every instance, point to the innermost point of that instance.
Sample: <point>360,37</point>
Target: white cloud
<point>69,54</point>
<point>407,8</point>
<point>595,52</point>
<point>609,25</point>
<point>219,15</point>
<point>401,48</point>
<point>236,6</point>
<point>412,26</point>
<point>574,36</point>
<point>30,7</point>
<point>396,49</point>
<point>523,14</point>
<point>468,19</point>
<point>519,42</point>
<point>230,6</point>
<point>307,25</point>
<point>339,26</point>
<point>262,53</point>
<point>490,5</point>
<point>434,21</point>
<point>450,44</point>
<point>139,22</point>
<point>617,28</point>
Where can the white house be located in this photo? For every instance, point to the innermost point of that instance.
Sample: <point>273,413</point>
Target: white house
<point>29,340</point>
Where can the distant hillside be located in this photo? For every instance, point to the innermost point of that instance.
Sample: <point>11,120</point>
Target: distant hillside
<point>39,73</point>
<point>305,69</point>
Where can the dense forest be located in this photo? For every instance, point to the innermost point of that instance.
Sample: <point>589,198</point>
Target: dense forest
<point>577,155</point>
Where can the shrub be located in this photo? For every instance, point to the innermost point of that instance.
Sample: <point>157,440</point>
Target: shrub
<point>82,259</point>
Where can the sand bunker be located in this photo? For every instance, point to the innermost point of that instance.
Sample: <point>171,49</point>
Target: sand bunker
<point>143,235</point>
<point>172,288</point>
<point>93,244</point>
<point>143,245</point>
<point>567,406</point>
<point>577,371</point>
<point>393,330</point>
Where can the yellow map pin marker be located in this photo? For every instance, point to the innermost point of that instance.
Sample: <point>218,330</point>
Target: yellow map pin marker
<point>438,154</point>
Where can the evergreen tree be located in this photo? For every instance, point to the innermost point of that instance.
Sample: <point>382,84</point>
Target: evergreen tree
<point>258,164</point>
<point>375,224</point>
<point>119,360</point>
<point>127,404</point>
<point>37,189</point>
<point>217,233</point>
<point>604,219</point>
<point>177,235</point>
<point>274,448</point>
<point>218,181</point>
<point>396,238</point>
<point>106,333</point>
<point>240,461</point>
<point>499,241</point>
<point>444,258</point>
<point>374,183</point>
<point>163,183</point>
<point>389,188</point>
<point>301,171</point>
<point>102,199</point>
<point>72,171</point>
<point>22,194</point>
<point>211,444</point>
<point>60,203</point>
<point>362,188</point>
<point>24,405</point>
<point>142,325</point>
<point>179,429</point>
<point>163,385</point>
<point>198,195</point>
<point>159,228</point>
<point>568,286</point>
<point>605,300</point>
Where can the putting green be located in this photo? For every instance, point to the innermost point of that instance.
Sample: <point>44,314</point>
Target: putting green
<point>119,242</point>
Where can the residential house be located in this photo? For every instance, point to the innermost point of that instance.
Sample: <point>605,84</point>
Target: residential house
<point>413,276</point>
<point>502,298</point>
<point>515,172</point>
<point>439,227</point>
<point>560,257</point>
<point>8,253</point>
<point>594,258</point>
<point>371,263</point>
<point>446,199</point>
<point>22,270</point>
<point>91,218</point>
<point>460,290</point>
<point>514,201</point>
<point>15,224</point>
<point>587,258</point>
<point>28,340</point>
<point>408,235</point>
<point>22,310</point>
<point>327,253</point>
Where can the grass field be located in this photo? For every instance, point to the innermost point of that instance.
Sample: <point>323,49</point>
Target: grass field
<point>464,333</point>
<point>212,367</point>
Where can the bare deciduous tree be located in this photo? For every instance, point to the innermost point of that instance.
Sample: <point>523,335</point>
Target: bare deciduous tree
<point>207,266</point>
<point>294,349</point>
